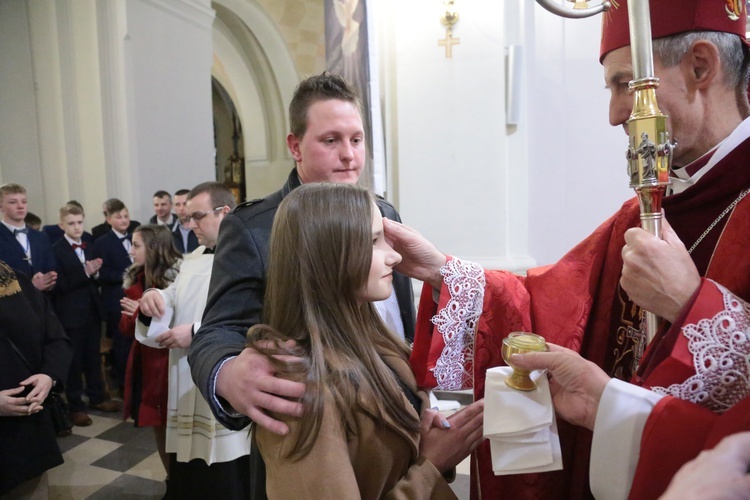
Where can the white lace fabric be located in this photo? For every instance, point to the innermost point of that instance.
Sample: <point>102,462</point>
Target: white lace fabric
<point>721,357</point>
<point>457,321</point>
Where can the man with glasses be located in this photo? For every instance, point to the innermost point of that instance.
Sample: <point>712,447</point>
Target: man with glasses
<point>205,459</point>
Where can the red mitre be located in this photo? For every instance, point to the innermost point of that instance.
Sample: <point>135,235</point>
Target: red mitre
<point>670,17</point>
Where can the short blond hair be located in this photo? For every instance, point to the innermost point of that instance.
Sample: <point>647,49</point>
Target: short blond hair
<point>70,209</point>
<point>11,188</point>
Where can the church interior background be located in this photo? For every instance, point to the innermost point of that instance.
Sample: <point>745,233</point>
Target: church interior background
<point>508,166</point>
<point>491,139</point>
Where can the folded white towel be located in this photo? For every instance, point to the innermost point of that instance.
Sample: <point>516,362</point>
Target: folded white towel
<point>520,425</point>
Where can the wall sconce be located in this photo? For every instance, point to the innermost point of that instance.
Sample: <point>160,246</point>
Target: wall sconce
<point>449,17</point>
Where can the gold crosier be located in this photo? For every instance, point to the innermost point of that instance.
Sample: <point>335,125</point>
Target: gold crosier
<point>650,150</point>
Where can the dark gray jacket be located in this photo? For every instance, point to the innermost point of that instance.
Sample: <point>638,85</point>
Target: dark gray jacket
<point>235,297</point>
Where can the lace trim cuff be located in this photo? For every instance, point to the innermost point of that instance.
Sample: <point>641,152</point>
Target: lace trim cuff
<point>721,356</point>
<point>457,322</point>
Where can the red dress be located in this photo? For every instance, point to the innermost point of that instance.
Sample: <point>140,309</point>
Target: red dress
<point>147,375</point>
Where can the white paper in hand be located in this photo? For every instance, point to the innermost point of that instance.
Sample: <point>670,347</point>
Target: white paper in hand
<point>158,326</point>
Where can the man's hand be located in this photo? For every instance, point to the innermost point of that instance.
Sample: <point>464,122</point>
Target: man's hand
<point>41,385</point>
<point>447,447</point>
<point>129,306</point>
<point>12,404</point>
<point>420,258</point>
<point>721,473</point>
<point>152,304</point>
<point>658,274</point>
<point>576,384</point>
<point>44,281</point>
<point>179,336</point>
<point>92,266</point>
<point>249,384</point>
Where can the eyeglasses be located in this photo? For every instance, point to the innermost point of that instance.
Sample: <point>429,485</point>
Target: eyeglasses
<point>198,216</point>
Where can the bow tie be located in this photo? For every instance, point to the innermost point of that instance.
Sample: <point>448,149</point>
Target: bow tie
<point>24,231</point>
<point>81,246</point>
<point>126,237</point>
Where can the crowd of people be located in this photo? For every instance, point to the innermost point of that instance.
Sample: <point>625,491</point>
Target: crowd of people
<point>294,314</point>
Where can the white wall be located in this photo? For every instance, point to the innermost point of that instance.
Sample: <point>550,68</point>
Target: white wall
<point>105,98</point>
<point>577,167</point>
<point>507,197</point>
<point>168,58</point>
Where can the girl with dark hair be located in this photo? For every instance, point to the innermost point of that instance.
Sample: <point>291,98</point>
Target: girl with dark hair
<point>155,265</point>
<point>365,431</point>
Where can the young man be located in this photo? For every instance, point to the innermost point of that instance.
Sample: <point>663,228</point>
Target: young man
<point>205,458</point>
<point>328,145</point>
<point>23,249</point>
<point>591,301</point>
<point>113,249</point>
<point>184,238</point>
<point>101,229</point>
<point>163,210</point>
<point>78,305</point>
<point>55,231</point>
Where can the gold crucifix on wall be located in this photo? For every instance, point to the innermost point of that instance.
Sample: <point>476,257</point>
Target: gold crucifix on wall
<point>449,18</point>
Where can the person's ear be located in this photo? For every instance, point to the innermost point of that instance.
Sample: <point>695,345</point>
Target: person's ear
<point>703,63</point>
<point>293,142</point>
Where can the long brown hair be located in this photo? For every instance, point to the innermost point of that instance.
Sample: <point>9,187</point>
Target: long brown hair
<point>162,257</point>
<point>320,257</point>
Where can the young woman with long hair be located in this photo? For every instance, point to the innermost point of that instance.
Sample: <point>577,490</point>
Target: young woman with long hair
<point>361,434</point>
<point>155,265</point>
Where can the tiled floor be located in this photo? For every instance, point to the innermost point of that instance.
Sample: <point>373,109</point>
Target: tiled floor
<point>112,460</point>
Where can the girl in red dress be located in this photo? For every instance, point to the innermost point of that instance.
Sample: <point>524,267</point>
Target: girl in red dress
<point>155,265</point>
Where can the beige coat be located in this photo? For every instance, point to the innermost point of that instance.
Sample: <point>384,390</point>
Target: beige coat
<point>380,460</point>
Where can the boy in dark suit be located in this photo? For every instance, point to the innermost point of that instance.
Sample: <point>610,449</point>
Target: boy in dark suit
<point>55,231</point>
<point>79,308</point>
<point>25,250</point>
<point>113,249</point>
<point>101,229</point>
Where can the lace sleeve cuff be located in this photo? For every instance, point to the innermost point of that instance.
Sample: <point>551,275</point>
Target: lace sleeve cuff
<point>456,320</point>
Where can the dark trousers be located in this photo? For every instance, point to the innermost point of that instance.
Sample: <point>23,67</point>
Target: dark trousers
<point>120,349</point>
<point>87,363</point>
<point>196,479</point>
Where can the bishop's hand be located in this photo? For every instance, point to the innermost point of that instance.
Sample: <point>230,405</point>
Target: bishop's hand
<point>658,274</point>
<point>576,384</point>
<point>420,258</point>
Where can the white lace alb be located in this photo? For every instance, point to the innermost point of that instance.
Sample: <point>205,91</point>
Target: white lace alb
<point>457,322</point>
<point>721,356</point>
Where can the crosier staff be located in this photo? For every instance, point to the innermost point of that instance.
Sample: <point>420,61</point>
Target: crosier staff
<point>650,150</point>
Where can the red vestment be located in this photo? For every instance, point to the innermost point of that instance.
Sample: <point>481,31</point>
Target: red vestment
<point>577,303</point>
<point>675,433</point>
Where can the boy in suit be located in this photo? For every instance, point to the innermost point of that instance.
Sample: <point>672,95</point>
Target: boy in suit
<point>113,249</point>
<point>23,249</point>
<point>56,231</point>
<point>78,306</point>
<point>101,229</point>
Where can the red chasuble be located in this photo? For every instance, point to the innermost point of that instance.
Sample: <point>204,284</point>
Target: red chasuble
<point>577,303</point>
<point>675,433</point>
